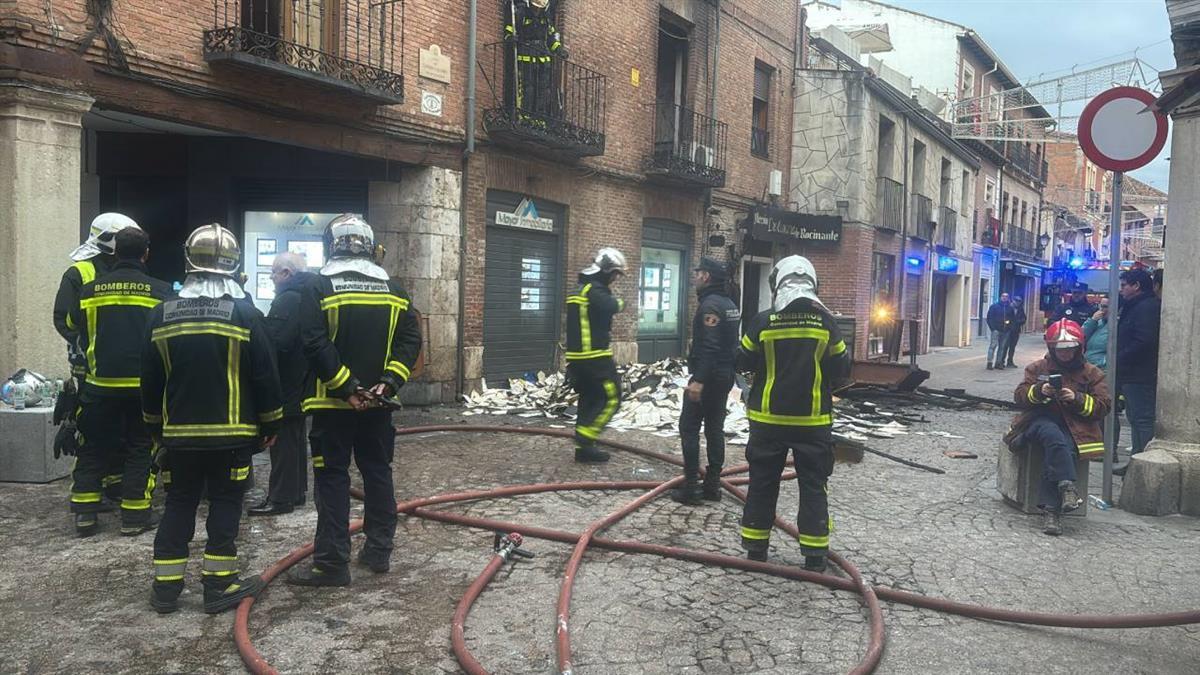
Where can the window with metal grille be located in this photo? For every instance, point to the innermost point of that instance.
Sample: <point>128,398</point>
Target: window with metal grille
<point>760,136</point>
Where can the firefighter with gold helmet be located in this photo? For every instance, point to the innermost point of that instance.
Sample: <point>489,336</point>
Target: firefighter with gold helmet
<point>210,393</point>
<point>362,339</point>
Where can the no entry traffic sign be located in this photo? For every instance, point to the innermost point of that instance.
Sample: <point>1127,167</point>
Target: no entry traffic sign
<point>1119,132</point>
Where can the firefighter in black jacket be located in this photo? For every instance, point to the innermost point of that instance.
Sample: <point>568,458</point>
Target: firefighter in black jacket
<point>797,355</point>
<point>210,393</point>
<point>590,366</point>
<point>361,337</point>
<point>529,26</point>
<point>112,315</point>
<point>711,361</point>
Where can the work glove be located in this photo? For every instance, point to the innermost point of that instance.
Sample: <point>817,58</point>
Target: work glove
<point>65,441</point>
<point>562,53</point>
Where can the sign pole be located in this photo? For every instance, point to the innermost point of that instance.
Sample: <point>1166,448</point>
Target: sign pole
<point>1114,275</point>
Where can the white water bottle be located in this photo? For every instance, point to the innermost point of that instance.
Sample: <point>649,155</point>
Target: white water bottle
<point>18,396</point>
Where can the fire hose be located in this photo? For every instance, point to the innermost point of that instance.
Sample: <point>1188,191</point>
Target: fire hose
<point>870,595</point>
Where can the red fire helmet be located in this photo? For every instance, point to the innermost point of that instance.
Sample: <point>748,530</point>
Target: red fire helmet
<point>1064,333</point>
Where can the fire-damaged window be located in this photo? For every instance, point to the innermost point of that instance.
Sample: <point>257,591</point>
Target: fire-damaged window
<point>883,304</point>
<point>760,135</point>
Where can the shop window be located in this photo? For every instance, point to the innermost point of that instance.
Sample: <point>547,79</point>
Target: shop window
<point>659,286</point>
<point>532,272</point>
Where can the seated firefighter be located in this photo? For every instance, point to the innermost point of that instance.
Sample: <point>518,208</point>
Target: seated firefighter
<point>1064,400</point>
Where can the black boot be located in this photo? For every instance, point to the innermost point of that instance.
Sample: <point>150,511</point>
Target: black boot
<point>590,454</point>
<point>712,484</point>
<point>689,493</point>
<point>757,555</point>
<point>1052,522</point>
<point>164,596</point>
<point>989,367</point>
<point>86,524</point>
<point>315,576</point>
<point>376,562</point>
<point>131,527</point>
<point>815,563</point>
<point>218,599</point>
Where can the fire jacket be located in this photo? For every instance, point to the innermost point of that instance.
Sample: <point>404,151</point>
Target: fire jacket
<point>357,331</point>
<point>1083,417</point>
<point>534,32</point>
<point>714,335</point>
<point>797,356</point>
<point>589,322</point>
<point>67,299</point>
<point>112,314</point>
<point>209,379</point>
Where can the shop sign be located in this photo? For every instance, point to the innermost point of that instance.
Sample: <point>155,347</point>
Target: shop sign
<point>525,217</point>
<point>788,226</point>
<point>947,264</point>
<point>1023,270</point>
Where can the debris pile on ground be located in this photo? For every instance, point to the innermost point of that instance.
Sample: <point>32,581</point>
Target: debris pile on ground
<point>652,397</point>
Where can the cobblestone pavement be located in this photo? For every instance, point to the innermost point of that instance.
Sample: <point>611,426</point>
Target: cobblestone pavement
<point>69,605</point>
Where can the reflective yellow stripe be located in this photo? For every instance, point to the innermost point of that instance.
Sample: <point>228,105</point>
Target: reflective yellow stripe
<point>392,321</point>
<point>748,344</point>
<point>151,419</point>
<point>111,479</point>
<point>170,570</point>
<point>207,430</point>
<point>70,321</point>
<point>135,504</point>
<point>585,324</point>
<point>234,375</point>
<point>115,382</point>
<point>790,420</point>
<point>85,497</point>
<point>276,414</point>
<point>399,369</point>
<point>342,376</point>
<point>612,398</point>
<point>200,328</point>
<point>239,473</point>
<point>755,533</point>
<point>1032,396</point>
<point>323,403</point>
<point>1089,404</point>
<point>818,376</point>
<point>343,299</point>
<point>120,300</point>
<point>318,462</point>
<point>813,541</point>
<point>219,565</point>
<point>1091,449</point>
<point>87,270</point>
<point>770,382</point>
<point>90,317</point>
<point>582,356</point>
<point>164,351</point>
<point>837,348</point>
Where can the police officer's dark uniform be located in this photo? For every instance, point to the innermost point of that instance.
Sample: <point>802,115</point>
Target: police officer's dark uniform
<point>711,362</point>
<point>359,330</point>
<point>529,24</point>
<point>210,392</point>
<point>1077,310</point>
<point>591,369</point>
<point>112,314</point>
<point>796,354</point>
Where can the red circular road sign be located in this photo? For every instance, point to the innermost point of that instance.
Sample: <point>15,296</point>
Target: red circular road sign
<point>1118,132</point>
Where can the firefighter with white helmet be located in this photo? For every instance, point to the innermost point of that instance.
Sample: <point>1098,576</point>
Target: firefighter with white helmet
<point>590,366</point>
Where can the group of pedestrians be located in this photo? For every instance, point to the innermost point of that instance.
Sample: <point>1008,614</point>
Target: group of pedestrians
<point>1006,319</point>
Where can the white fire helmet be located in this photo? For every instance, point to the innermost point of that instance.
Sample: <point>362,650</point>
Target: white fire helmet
<point>102,236</point>
<point>607,260</point>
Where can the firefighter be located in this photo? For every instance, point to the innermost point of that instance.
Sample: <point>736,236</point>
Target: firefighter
<point>90,260</point>
<point>797,355</point>
<point>530,28</point>
<point>210,393</point>
<point>711,361</point>
<point>590,366</point>
<point>112,313</point>
<point>361,338</point>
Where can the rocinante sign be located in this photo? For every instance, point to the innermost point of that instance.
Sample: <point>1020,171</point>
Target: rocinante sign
<point>788,226</point>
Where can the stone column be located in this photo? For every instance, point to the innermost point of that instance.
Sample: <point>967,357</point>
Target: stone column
<point>1177,430</point>
<point>40,136</point>
<point>417,219</point>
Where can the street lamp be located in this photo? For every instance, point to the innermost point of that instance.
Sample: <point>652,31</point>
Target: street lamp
<point>1043,242</point>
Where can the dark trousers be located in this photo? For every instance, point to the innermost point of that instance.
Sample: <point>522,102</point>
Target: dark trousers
<point>115,453</point>
<point>1141,401</point>
<point>1011,344</point>
<point>222,475</point>
<point>767,453</point>
<point>709,411</point>
<point>534,93</point>
<point>289,470</point>
<point>599,388</point>
<point>370,438</point>
<point>1058,458</point>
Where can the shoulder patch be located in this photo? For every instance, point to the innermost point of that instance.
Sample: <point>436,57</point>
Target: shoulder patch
<point>711,320</point>
<point>191,309</point>
<point>343,284</point>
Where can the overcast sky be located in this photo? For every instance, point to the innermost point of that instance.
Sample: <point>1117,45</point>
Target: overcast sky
<point>1038,39</point>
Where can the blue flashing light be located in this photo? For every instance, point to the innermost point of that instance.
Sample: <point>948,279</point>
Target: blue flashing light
<point>947,264</point>
<point>1077,263</point>
<point>914,261</point>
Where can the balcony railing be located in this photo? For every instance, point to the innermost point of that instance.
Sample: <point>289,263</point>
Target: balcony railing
<point>349,46</point>
<point>1032,165</point>
<point>688,147</point>
<point>1021,242</point>
<point>889,204</point>
<point>947,228</point>
<point>760,143</point>
<point>563,114</point>
<point>922,218</point>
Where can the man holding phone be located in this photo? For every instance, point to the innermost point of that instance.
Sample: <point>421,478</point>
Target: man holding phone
<point>1064,400</point>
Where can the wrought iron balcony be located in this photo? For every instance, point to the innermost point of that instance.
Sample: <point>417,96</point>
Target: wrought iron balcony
<point>689,148</point>
<point>922,218</point>
<point>1021,242</point>
<point>345,45</point>
<point>947,228</point>
<point>558,112</point>
<point>1030,164</point>
<point>889,204</point>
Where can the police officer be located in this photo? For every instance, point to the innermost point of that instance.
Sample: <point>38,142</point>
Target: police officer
<point>210,393</point>
<point>590,366</point>
<point>711,362</point>
<point>796,353</point>
<point>1078,309</point>
<point>90,260</point>
<point>362,339</point>
<point>530,26</point>
<point>112,314</point>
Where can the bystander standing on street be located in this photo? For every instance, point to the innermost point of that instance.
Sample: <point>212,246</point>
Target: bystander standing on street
<point>999,318</point>
<point>1137,355</point>
<point>1014,331</point>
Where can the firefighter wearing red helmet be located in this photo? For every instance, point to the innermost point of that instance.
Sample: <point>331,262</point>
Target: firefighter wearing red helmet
<point>1064,400</point>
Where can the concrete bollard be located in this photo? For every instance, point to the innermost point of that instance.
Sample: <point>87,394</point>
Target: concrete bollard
<point>1151,486</point>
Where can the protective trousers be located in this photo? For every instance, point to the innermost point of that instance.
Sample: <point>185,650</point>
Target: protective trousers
<point>370,438</point>
<point>188,475</point>
<point>599,388</point>
<point>115,451</point>
<point>767,453</point>
<point>289,471</point>
<point>533,85</point>
<point>1058,458</point>
<point>709,411</point>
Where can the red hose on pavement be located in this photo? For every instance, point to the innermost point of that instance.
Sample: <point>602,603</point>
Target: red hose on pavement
<point>870,594</point>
